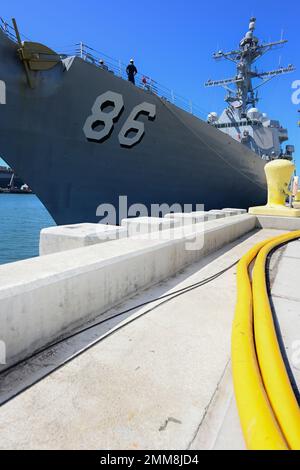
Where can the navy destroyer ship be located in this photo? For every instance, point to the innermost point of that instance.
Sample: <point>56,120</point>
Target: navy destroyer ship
<point>109,137</point>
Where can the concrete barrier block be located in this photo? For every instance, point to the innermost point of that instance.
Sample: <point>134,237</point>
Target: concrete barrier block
<point>234,211</point>
<point>209,215</point>
<point>69,237</point>
<point>190,217</point>
<point>147,225</point>
<point>277,222</point>
<point>218,214</point>
<point>44,298</point>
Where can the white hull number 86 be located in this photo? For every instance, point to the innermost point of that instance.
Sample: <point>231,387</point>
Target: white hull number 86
<point>133,130</point>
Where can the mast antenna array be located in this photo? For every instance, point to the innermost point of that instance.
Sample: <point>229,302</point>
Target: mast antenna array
<point>249,51</point>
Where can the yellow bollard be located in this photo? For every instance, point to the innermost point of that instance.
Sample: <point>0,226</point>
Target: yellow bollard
<point>278,174</point>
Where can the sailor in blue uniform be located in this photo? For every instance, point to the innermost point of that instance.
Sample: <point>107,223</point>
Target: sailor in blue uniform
<point>131,71</point>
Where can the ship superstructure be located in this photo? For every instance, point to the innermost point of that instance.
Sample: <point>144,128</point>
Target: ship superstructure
<point>241,119</point>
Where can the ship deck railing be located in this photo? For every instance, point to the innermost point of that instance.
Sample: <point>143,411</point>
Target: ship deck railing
<point>118,68</point>
<point>8,29</point>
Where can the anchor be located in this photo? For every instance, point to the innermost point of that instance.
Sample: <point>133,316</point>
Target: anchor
<point>35,56</point>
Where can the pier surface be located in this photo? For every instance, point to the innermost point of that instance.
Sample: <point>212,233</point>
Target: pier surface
<point>160,382</point>
<point>285,298</point>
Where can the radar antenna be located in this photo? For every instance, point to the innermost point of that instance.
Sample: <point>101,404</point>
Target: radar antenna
<point>249,51</point>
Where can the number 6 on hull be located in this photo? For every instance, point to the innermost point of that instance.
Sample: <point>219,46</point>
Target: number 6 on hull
<point>132,125</point>
<point>100,124</point>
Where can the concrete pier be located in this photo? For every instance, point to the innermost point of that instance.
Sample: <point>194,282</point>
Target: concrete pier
<point>161,382</point>
<point>281,223</point>
<point>284,283</point>
<point>76,285</point>
<point>155,377</point>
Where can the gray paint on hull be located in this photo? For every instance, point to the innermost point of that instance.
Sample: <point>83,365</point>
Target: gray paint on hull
<point>180,158</point>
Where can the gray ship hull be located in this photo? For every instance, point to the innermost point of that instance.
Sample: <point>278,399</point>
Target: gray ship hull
<point>180,158</point>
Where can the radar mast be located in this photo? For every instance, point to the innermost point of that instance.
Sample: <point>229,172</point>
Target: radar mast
<point>245,95</point>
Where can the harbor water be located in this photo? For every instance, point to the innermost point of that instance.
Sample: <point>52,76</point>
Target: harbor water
<point>21,219</point>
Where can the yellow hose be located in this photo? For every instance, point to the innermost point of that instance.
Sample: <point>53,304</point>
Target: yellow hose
<point>272,367</point>
<point>258,423</point>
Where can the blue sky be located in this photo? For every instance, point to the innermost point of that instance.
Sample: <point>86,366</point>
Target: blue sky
<point>172,41</point>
